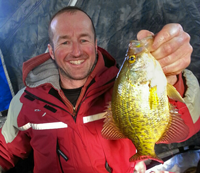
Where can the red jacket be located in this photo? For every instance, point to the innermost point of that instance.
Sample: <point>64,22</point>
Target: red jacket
<point>66,138</point>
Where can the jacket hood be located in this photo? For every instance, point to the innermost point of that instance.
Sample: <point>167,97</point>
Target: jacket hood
<point>42,70</point>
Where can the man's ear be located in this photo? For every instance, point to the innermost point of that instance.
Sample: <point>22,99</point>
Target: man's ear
<point>51,51</point>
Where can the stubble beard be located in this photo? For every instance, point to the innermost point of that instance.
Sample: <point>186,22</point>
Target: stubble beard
<point>68,76</point>
<point>65,74</point>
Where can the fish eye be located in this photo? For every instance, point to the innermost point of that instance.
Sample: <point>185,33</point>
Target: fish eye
<point>132,58</point>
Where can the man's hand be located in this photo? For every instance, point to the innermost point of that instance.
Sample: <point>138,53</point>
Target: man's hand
<point>171,47</point>
<point>140,167</point>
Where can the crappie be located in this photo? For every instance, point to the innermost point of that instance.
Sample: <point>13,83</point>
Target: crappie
<point>140,108</point>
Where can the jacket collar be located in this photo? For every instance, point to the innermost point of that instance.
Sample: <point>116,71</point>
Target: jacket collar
<point>42,69</point>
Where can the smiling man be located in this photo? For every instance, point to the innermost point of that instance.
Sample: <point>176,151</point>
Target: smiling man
<point>60,113</point>
<point>73,47</point>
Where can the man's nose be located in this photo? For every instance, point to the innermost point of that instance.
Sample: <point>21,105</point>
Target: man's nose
<point>76,49</point>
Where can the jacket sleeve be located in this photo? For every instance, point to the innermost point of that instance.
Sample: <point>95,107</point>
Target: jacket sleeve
<point>188,87</point>
<point>14,144</point>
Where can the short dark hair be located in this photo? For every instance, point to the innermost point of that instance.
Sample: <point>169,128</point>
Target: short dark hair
<point>70,9</point>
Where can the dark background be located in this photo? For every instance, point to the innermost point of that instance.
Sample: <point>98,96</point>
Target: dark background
<point>24,25</point>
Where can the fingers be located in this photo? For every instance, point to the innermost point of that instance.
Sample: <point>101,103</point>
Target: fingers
<point>140,167</point>
<point>171,79</point>
<point>144,33</point>
<point>171,47</point>
<point>168,32</point>
<point>176,61</point>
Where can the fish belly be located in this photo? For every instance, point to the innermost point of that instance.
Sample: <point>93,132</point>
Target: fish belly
<point>139,120</point>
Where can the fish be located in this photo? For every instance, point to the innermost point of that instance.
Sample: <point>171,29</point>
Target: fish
<point>140,109</point>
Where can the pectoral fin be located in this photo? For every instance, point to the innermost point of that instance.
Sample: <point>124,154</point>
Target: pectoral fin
<point>174,94</point>
<point>110,130</point>
<point>176,130</point>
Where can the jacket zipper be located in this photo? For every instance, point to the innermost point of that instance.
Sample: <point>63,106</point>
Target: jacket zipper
<point>74,115</point>
<point>76,111</point>
<point>60,153</point>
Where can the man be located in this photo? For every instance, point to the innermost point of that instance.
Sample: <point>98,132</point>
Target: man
<point>60,112</point>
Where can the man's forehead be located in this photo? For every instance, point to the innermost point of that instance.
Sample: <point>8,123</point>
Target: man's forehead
<point>67,15</point>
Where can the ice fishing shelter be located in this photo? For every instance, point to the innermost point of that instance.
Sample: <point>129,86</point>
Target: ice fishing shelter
<point>24,26</point>
<point>6,90</point>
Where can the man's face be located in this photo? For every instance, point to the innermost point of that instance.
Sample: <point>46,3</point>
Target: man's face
<point>74,47</point>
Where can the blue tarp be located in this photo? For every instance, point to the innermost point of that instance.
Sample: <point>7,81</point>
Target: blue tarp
<point>5,92</point>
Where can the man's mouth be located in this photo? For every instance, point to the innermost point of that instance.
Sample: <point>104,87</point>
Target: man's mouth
<point>77,62</point>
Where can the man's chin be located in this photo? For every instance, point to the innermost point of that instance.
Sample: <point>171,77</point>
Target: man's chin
<point>78,77</point>
<point>73,75</point>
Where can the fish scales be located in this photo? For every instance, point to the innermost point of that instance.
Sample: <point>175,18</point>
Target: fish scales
<point>140,109</point>
<point>135,122</point>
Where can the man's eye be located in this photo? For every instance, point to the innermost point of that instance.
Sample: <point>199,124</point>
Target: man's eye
<point>66,42</point>
<point>83,41</point>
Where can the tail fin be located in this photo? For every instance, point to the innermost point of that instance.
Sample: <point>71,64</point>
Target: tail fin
<point>140,157</point>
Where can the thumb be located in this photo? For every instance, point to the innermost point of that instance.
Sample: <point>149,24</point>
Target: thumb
<point>172,79</point>
<point>144,33</point>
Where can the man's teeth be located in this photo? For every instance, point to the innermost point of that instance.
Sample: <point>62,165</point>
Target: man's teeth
<point>76,62</point>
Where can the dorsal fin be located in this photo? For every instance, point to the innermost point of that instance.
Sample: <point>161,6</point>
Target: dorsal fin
<point>110,130</point>
<point>177,130</point>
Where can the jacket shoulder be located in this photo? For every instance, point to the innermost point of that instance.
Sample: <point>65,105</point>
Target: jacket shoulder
<point>192,95</point>
<point>9,129</point>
